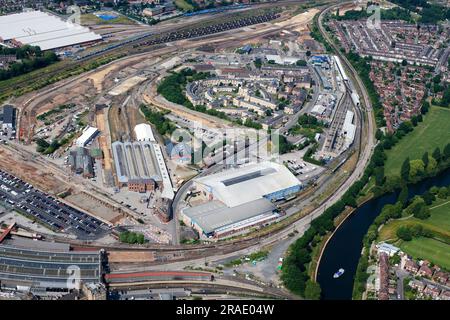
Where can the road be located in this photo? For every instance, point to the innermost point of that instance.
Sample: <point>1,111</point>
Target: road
<point>401,275</point>
<point>302,224</point>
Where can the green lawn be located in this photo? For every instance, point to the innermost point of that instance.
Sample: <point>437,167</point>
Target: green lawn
<point>182,4</point>
<point>440,215</point>
<point>425,248</point>
<point>433,132</point>
<point>429,249</point>
<point>90,19</point>
<point>438,222</point>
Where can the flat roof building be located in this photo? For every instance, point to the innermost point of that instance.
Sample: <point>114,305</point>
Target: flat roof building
<point>240,198</point>
<point>144,132</point>
<point>267,179</point>
<point>349,129</point>
<point>216,219</point>
<point>88,134</point>
<point>8,117</point>
<point>138,161</point>
<point>41,29</point>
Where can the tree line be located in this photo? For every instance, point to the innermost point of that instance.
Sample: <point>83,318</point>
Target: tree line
<point>161,123</point>
<point>30,58</point>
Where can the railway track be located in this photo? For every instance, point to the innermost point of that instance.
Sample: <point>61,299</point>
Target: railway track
<point>228,247</point>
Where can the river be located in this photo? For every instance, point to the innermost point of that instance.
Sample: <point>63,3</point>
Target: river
<point>344,248</point>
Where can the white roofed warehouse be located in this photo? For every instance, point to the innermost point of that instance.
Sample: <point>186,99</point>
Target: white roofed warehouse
<point>240,198</point>
<point>37,28</point>
<point>144,132</point>
<point>88,134</point>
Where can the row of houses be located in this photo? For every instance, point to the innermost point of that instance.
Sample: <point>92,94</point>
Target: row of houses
<point>426,289</point>
<point>424,269</point>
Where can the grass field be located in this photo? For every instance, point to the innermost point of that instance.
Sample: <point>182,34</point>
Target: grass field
<point>429,249</point>
<point>440,215</point>
<point>182,4</point>
<point>433,132</point>
<point>91,19</point>
<point>438,222</point>
<point>433,250</point>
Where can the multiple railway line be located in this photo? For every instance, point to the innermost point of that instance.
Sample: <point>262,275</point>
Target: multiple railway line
<point>147,41</point>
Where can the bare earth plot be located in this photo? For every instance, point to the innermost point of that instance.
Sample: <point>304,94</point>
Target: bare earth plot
<point>95,207</point>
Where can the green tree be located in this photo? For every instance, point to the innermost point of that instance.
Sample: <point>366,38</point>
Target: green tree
<point>406,167</point>
<point>417,168</point>
<point>425,159</point>
<point>379,176</point>
<point>432,165</point>
<point>443,193</point>
<point>379,134</point>
<point>418,208</point>
<point>403,196</point>
<point>140,238</point>
<point>446,153</point>
<point>428,197</point>
<point>312,290</point>
<point>404,233</point>
<point>437,154</point>
<point>425,107</point>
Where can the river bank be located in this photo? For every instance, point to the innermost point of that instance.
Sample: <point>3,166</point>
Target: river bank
<point>344,247</point>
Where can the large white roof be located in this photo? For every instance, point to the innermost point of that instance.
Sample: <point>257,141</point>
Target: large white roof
<point>44,30</point>
<point>144,132</point>
<point>249,182</point>
<point>88,132</point>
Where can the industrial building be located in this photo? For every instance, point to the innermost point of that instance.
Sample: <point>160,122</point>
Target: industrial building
<point>8,117</point>
<point>349,129</point>
<point>42,29</point>
<point>137,163</point>
<point>88,134</point>
<point>229,210</point>
<point>144,132</point>
<point>134,162</point>
<point>282,60</point>
<point>81,162</point>
<point>40,267</point>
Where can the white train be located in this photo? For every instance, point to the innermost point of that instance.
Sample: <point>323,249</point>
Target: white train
<point>340,68</point>
<point>355,98</point>
<point>354,95</point>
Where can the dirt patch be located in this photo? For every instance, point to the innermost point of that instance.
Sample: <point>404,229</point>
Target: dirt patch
<point>95,207</point>
<point>130,256</point>
<point>299,21</point>
<point>23,168</point>
<point>103,139</point>
<point>100,76</point>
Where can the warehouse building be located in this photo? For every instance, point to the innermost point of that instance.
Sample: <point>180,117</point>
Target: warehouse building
<point>41,29</point>
<point>229,209</point>
<point>348,129</point>
<point>144,132</point>
<point>135,163</point>
<point>8,117</point>
<point>81,162</point>
<point>87,136</point>
<point>140,166</point>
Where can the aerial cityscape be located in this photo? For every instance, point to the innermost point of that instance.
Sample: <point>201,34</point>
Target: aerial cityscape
<point>224,150</point>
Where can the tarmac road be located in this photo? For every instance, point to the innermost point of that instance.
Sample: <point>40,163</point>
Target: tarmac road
<point>302,224</point>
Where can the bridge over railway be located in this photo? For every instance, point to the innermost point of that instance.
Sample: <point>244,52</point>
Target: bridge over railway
<point>6,232</point>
